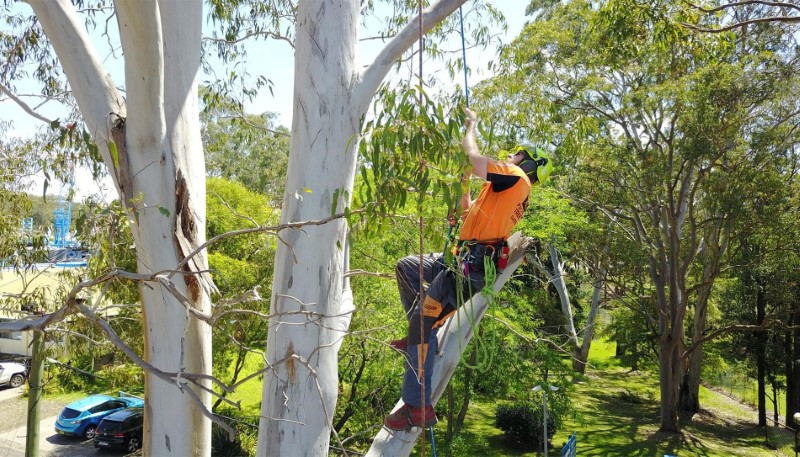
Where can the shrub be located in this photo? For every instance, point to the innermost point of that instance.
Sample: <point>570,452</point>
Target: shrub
<point>244,444</point>
<point>521,424</point>
<point>126,377</point>
<point>63,380</point>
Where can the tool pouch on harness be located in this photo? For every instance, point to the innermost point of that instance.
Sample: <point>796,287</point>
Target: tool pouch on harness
<point>473,253</point>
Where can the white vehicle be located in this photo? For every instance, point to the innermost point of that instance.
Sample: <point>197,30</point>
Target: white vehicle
<point>12,374</point>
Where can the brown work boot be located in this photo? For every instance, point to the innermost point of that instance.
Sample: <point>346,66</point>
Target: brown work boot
<point>399,345</point>
<point>411,416</point>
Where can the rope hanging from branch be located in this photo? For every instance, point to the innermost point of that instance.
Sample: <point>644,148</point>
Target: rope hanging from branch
<point>423,344</point>
<point>464,55</point>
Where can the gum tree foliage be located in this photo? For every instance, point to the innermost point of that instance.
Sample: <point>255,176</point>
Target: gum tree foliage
<point>656,127</point>
<point>149,138</point>
<point>763,291</point>
<point>250,149</point>
<point>242,266</point>
<point>13,202</point>
<point>572,263</point>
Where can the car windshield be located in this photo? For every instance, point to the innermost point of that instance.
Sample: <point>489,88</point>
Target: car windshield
<point>109,427</point>
<point>70,413</point>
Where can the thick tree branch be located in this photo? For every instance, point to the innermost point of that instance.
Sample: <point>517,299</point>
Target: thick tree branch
<point>374,74</point>
<point>761,20</point>
<point>743,3</point>
<point>92,87</point>
<point>722,331</point>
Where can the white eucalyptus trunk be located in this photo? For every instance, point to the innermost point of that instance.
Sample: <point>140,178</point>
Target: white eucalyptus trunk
<point>301,385</point>
<point>582,357</point>
<point>563,295</point>
<point>310,301</point>
<point>158,170</point>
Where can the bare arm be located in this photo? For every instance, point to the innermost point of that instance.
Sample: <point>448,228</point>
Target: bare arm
<point>470,144</point>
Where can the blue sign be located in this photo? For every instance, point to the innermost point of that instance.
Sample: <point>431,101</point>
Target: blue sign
<point>569,449</point>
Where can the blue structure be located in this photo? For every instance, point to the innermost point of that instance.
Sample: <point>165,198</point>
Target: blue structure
<point>62,219</point>
<point>570,449</point>
<point>64,251</point>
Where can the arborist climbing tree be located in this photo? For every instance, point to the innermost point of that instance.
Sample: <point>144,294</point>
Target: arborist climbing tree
<point>486,224</point>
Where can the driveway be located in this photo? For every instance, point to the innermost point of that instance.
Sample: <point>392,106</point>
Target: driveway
<point>7,393</point>
<point>13,432</point>
<point>50,444</point>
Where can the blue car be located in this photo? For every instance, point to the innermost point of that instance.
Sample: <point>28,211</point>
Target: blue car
<point>81,417</point>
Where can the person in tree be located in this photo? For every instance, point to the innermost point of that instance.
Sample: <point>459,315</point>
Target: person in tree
<point>487,223</point>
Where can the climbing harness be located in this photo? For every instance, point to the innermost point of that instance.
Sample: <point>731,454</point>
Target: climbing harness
<point>486,258</point>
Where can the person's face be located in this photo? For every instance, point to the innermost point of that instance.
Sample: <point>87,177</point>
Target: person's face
<point>515,157</point>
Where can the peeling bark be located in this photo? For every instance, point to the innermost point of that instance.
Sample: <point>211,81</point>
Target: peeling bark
<point>149,143</point>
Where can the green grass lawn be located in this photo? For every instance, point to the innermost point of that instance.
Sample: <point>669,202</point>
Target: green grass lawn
<point>738,384</point>
<point>249,393</point>
<point>617,414</point>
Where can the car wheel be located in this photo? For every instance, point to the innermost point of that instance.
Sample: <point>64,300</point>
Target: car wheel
<point>89,432</point>
<point>133,444</point>
<point>16,380</point>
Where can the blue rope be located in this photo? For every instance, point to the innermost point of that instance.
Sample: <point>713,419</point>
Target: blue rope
<point>464,55</point>
<point>466,96</point>
<point>433,443</point>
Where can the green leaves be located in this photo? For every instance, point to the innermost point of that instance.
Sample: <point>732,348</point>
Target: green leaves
<point>112,148</point>
<point>412,150</point>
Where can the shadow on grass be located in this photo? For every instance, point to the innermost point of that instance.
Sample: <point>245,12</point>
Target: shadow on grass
<point>618,414</point>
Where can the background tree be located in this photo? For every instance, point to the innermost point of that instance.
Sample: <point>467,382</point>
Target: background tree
<point>654,120</point>
<point>752,21</point>
<point>242,271</point>
<point>250,149</point>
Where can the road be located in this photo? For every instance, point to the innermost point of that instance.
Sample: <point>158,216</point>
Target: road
<point>12,442</point>
<point>13,420</point>
<point>9,393</point>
